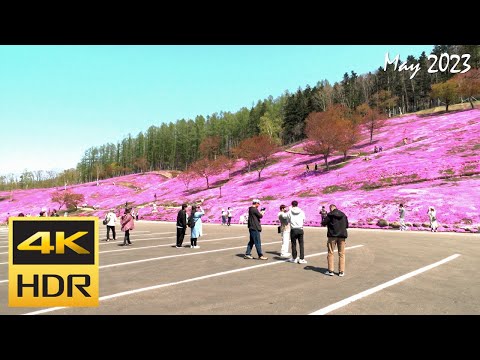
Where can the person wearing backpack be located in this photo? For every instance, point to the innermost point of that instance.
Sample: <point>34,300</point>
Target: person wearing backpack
<point>195,225</point>
<point>110,219</point>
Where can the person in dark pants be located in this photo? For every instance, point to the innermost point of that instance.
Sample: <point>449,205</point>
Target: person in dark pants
<point>255,228</point>
<point>337,224</point>
<point>196,229</point>
<point>111,219</point>
<point>181,225</point>
<point>296,218</point>
<point>229,216</point>
<point>127,225</point>
<point>323,213</point>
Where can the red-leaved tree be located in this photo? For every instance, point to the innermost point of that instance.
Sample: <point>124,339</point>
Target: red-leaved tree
<point>322,131</point>
<point>468,84</point>
<point>67,198</point>
<point>206,168</point>
<point>372,118</point>
<point>210,147</point>
<point>263,147</point>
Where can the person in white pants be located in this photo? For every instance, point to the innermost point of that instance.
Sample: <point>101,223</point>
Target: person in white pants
<point>284,231</point>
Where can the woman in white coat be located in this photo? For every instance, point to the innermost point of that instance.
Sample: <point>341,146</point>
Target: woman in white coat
<point>196,230</point>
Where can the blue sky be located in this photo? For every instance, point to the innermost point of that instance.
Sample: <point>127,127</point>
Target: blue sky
<point>57,101</point>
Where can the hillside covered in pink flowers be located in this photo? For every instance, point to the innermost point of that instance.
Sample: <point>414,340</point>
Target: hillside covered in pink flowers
<point>438,166</point>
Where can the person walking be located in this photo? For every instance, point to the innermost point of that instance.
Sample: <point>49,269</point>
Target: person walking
<point>323,213</point>
<point>195,223</point>
<point>401,214</point>
<point>337,225</point>
<point>229,215</point>
<point>254,228</point>
<point>181,225</point>
<point>127,225</point>
<point>432,214</point>
<point>296,218</point>
<point>111,218</point>
<point>284,231</point>
<point>224,217</point>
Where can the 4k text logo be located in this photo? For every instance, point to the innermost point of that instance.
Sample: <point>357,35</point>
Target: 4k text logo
<point>53,261</point>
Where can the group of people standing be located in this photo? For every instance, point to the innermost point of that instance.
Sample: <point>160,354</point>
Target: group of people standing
<point>307,169</point>
<point>432,216</point>
<point>194,222</point>
<point>127,224</point>
<point>227,216</point>
<point>291,229</point>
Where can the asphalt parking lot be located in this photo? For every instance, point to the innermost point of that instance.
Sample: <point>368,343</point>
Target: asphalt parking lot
<point>387,272</point>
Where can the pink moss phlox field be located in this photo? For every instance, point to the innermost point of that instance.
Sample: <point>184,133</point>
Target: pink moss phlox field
<point>438,166</point>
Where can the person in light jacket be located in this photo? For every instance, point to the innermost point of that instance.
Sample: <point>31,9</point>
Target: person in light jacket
<point>296,218</point>
<point>127,225</point>
<point>284,231</point>
<point>196,231</point>
<point>432,214</point>
<point>111,219</point>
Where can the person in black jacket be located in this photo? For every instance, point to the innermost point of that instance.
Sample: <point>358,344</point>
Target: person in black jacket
<point>255,228</point>
<point>181,225</point>
<point>337,224</point>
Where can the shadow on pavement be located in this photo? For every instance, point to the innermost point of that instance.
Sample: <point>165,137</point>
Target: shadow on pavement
<point>317,269</point>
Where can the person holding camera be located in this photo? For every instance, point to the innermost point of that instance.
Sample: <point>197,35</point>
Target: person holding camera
<point>255,228</point>
<point>337,225</point>
<point>195,224</point>
<point>296,218</point>
<point>284,230</point>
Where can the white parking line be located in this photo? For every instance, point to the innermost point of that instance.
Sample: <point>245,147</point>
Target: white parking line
<point>375,289</point>
<point>179,255</point>
<point>109,243</point>
<point>137,248</point>
<point>112,242</point>
<point>137,231</point>
<point>134,239</point>
<point>154,287</point>
<point>102,234</point>
<point>171,245</point>
<point>168,256</point>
